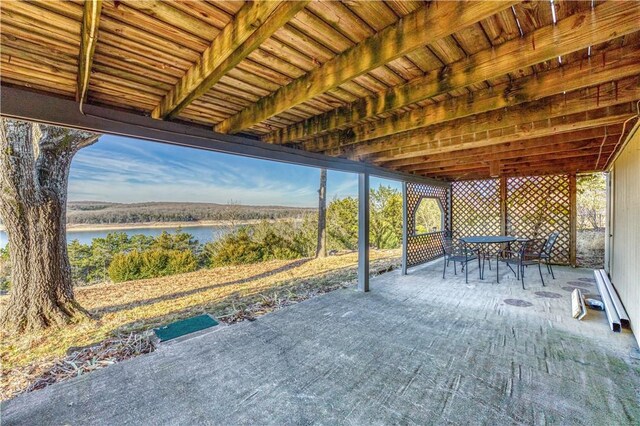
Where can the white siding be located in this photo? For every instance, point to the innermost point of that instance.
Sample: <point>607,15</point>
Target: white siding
<point>625,250</point>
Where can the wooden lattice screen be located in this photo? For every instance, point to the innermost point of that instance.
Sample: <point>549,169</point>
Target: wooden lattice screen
<point>421,248</point>
<point>539,205</point>
<point>534,206</point>
<point>476,207</point>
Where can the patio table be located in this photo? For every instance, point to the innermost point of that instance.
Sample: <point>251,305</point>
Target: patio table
<point>487,239</point>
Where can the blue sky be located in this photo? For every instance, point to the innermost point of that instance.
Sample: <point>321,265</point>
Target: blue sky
<point>128,170</point>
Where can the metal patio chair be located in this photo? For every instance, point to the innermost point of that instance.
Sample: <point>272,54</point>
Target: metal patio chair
<point>458,253</point>
<point>547,252</point>
<point>529,253</point>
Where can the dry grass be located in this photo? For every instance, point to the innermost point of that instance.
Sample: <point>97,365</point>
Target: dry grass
<point>590,248</point>
<point>231,293</point>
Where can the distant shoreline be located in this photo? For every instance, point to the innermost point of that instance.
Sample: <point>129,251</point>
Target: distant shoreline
<point>93,227</point>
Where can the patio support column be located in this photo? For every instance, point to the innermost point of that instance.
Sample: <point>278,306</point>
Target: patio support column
<point>503,205</point>
<point>573,217</point>
<point>363,232</point>
<point>405,227</point>
<point>450,210</point>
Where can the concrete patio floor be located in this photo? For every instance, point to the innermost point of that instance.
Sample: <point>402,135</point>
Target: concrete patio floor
<point>415,350</point>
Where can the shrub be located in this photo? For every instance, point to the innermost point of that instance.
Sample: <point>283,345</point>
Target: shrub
<point>265,241</point>
<point>182,261</point>
<point>234,248</point>
<point>126,266</point>
<point>150,264</point>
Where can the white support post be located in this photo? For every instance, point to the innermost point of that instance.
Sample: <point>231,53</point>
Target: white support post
<point>363,232</point>
<point>405,228</point>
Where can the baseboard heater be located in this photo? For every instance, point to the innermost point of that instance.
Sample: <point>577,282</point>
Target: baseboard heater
<point>616,314</point>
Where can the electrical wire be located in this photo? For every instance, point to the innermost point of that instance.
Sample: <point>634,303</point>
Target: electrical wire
<point>91,44</point>
<point>602,145</point>
<point>624,125</point>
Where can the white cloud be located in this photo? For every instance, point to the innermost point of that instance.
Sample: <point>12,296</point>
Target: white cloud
<point>127,172</point>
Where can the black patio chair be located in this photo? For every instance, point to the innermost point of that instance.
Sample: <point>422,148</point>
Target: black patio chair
<point>529,253</point>
<point>488,252</point>
<point>547,252</point>
<point>457,253</point>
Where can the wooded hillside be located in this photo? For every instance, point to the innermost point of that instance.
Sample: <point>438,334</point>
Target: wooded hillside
<point>104,212</point>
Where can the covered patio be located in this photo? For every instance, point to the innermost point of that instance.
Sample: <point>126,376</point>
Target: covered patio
<point>490,108</point>
<point>416,350</point>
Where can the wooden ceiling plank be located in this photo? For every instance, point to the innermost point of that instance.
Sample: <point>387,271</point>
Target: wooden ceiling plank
<point>591,98</point>
<point>549,152</point>
<point>424,26</point>
<point>22,15</point>
<point>621,63</point>
<point>33,54</point>
<point>166,29</point>
<point>573,33</point>
<point>165,11</point>
<point>209,13</point>
<point>312,26</point>
<point>12,78</point>
<point>562,166</point>
<point>254,23</point>
<point>35,70</point>
<point>88,41</point>
<point>377,14</point>
<point>26,38</point>
<point>109,50</point>
<point>534,144</point>
<point>340,17</point>
<point>518,132</point>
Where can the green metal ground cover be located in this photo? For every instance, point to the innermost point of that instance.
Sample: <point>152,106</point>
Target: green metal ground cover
<point>184,327</point>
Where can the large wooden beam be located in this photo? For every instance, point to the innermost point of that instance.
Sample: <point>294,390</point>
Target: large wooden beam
<point>614,65</point>
<point>550,152</point>
<point>428,24</point>
<point>588,150</point>
<point>494,123</point>
<point>494,151</point>
<point>576,32</point>
<point>583,165</point>
<point>88,41</point>
<point>548,128</point>
<point>252,25</point>
<point>584,162</point>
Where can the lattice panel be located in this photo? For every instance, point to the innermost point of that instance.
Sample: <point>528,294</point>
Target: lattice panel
<point>476,207</point>
<point>539,205</point>
<point>425,247</point>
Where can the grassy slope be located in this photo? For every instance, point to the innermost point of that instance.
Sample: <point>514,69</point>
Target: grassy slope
<point>140,305</point>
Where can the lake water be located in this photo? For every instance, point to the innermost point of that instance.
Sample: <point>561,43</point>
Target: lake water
<point>203,233</point>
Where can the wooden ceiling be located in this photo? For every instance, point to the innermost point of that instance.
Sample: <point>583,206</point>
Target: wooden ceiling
<point>452,90</point>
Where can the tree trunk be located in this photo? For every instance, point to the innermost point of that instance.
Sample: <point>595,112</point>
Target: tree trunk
<point>321,250</point>
<point>34,170</point>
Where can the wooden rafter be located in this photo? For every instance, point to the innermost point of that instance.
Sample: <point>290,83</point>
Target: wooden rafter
<point>623,62</point>
<point>422,27</point>
<point>532,130</point>
<point>530,146</point>
<point>517,132</point>
<point>253,24</point>
<point>88,41</point>
<point>545,167</point>
<point>564,151</point>
<point>498,122</point>
<point>578,31</point>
